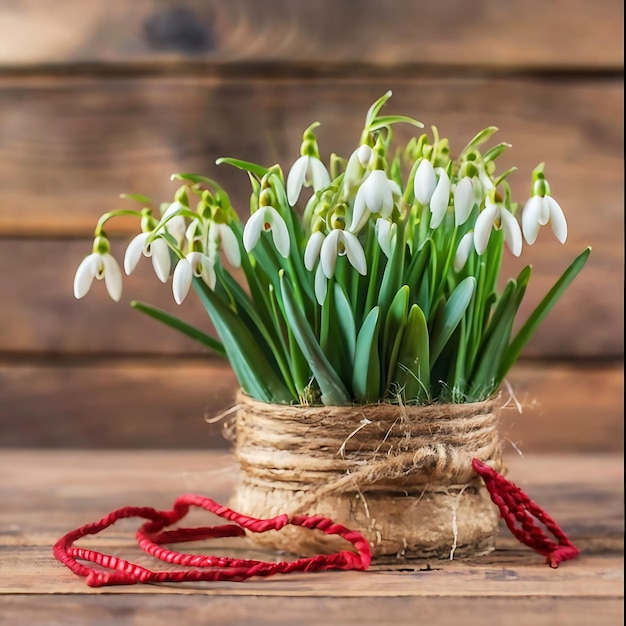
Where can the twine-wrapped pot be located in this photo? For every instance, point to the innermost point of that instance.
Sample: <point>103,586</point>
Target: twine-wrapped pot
<point>402,475</point>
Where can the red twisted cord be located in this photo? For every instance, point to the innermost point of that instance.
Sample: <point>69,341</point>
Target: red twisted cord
<point>516,506</point>
<point>206,568</point>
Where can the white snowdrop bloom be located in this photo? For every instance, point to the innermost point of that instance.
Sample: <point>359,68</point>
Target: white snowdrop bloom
<point>440,199</point>
<point>221,236</point>
<point>376,196</point>
<point>339,243</point>
<point>463,251</point>
<point>157,250</point>
<point>176,225</point>
<point>464,199</point>
<point>98,265</point>
<point>539,211</point>
<point>312,250</point>
<point>321,285</point>
<point>496,216</point>
<point>194,264</point>
<point>306,171</point>
<point>386,235</point>
<point>267,219</point>
<point>355,168</point>
<point>425,182</point>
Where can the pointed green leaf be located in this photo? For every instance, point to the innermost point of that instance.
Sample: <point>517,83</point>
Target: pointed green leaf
<point>171,320</point>
<point>479,138</point>
<point>387,120</point>
<point>366,374</point>
<point>412,373</point>
<point>538,315</point>
<point>334,392</point>
<point>254,168</point>
<point>137,197</point>
<point>452,313</point>
<point>395,322</point>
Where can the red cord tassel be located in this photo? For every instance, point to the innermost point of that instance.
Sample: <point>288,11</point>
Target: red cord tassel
<point>517,509</point>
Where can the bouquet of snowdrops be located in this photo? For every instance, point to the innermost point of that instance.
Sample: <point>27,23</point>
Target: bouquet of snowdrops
<point>381,286</point>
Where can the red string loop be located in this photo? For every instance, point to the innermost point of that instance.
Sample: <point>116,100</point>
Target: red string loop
<point>516,508</point>
<point>117,571</point>
<point>519,513</point>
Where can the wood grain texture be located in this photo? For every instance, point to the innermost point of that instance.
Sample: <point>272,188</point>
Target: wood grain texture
<point>69,147</point>
<point>148,404</point>
<point>45,494</point>
<point>518,33</point>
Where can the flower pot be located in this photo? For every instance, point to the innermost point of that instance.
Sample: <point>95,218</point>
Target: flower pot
<point>401,475</point>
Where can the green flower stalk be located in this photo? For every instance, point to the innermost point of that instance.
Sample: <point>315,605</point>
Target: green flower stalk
<point>381,286</point>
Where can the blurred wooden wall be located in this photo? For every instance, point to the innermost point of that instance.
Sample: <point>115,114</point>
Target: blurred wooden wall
<point>101,97</point>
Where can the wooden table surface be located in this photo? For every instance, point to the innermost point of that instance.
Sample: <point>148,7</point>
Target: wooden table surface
<point>44,494</point>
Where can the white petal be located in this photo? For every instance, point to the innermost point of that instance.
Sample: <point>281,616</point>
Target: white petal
<point>394,187</point>
<point>463,200</point>
<point>134,251</point>
<point>112,277</point>
<point>181,280</point>
<point>463,251</point>
<point>425,182</point>
<point>161,262</point>
<point>353,173</point>
<point>384,233</point>
<point>530,219</point>
<point>364,154</point>
<point>543,215</point>
<point>512,232</point>
<point>376,191</point>
<point>208,271</point>
<point>321,285</point>
<point>85,274</point>
<point>557,219</point>
<point>360,214</point>
<point>295,179</point>
<point>355,253</point>
<point>280,233</point>
<point>230,245</point>
<point>483,226</point>
<point>312,250</point>
<point>328,253</point>
<point>252,229</point>
<point>319,174</point>
<point>176,225</point>
<point>440,199</point>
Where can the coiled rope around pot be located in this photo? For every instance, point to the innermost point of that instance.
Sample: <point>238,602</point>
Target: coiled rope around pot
<point>402,475</point>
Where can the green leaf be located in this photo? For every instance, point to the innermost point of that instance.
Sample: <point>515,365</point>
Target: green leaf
<point>345,320</point>
<point>366,374</point>
<point>452,313</point>
<point>538,315</point>
<point>255,373</point>
<point>479,138</point>
<point>392,334</point>
<point>254,168</point>
<point>183,327</point>
<point>137,197</point>
<point>387,120</point>
<point>334,392</point>
<point>412,373</point>
<point>394,270</point>
<point>377,106</point>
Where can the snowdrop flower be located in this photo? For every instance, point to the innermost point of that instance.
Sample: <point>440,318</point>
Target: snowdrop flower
<point>98,265</point>
<point>312,250</point>
<point>540,210</point>
<point>375,195</point>
<point>222,236</point>
<point>194,264</point>
<point>386,234</point>
<point>340,243</point>
<point>266,219</point>
<point>355,168</point>
<point>176,225</point>
<point>306,171</point>
<point>157,249</point>
<point>496,216</point>
<point>440,199</point>
<point>464,198</point>
<point>425,182</point>
<point>463,251</point>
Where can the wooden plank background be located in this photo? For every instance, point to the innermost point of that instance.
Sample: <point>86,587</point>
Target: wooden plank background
<point>98,98</point>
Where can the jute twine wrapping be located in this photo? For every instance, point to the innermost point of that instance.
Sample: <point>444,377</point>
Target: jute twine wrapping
<point>402,475</point>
